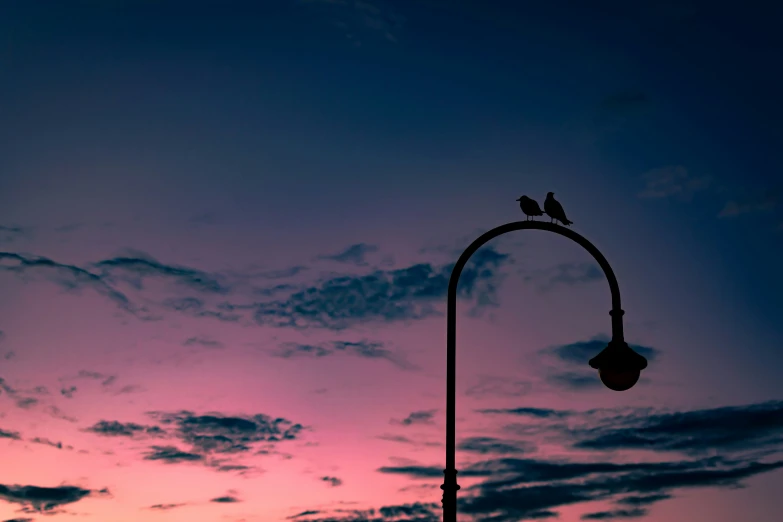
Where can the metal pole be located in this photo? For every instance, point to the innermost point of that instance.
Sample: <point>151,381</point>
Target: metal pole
<point>450,485</point>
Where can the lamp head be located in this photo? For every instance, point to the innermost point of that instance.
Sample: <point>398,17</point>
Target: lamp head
<point>619,367</point>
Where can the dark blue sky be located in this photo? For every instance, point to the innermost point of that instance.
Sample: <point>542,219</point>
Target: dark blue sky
<point>336,93</point>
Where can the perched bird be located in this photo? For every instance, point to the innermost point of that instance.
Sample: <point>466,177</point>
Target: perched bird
<point>529,207</point>
<point>554,209</point>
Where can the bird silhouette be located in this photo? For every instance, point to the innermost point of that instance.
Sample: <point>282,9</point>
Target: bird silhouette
<point>554,209</point>
<point>529,207</point>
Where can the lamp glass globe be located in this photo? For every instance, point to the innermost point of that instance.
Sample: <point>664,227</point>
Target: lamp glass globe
<point>619,380</point>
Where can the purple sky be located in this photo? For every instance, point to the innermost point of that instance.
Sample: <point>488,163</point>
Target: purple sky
<point>226,231</point>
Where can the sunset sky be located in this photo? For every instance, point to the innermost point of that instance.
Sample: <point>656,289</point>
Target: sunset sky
<point>227,227</point>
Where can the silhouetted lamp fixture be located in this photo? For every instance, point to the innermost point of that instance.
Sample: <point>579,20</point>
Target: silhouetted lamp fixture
<point>619,367</point>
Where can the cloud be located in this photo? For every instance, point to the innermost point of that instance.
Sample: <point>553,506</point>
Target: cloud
<point>580,352</point>
<point>557,484</point>
<point>673,181</point>
<point>585,380</point>
<point>215,439</point>
<point>354,254</point>
<point>643,500</point>
<point>68,391</point>
<point>333,481</point>
<point>133,270</point>
<point>19,520</point>
<point>515,488</point>
<point>573,371</point>
<point>9,435</point>
<point>416,417</point>
<point>22,402</point>
<point>9,234</point>
<point>763,203</point>
<point>137,266</point>
<point>227,499</point>
<point>171,455</point>
<point>204,341</point>
<point>415,512</point>
<point>69,277</point>
<point>728,428</point>
<point>282,274</point>
<point>336,302</point>
<point>357,17</point>
<point>35,499</point>
<point>120,429</point>
<point>427,472</point>
<point>303,514</point>
<point>540,413</point>
<point>405,294</point>
<point>46,442</point>
<point>366,349</point>
<point>407,440</point>
<point>619,513</point>
<point>490,445</point>
<point>165,507</point>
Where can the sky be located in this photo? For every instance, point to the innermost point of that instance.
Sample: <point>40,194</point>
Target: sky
<point>227,228</point>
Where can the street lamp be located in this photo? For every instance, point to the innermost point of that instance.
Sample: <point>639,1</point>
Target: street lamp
<point>618,365</point>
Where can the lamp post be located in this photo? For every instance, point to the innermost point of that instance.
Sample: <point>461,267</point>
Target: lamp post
<point>618,365</point>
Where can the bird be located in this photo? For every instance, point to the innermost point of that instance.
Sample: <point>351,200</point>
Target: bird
<point>554,209</point>
<point>529,207</point>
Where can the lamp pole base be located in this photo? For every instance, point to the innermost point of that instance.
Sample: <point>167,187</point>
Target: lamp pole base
<point>449,500</point>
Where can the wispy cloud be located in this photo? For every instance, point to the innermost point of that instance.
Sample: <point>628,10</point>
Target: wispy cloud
<point>571,369</point>
<point>138,266</point>
<point>364,348</point>
<point>415,512</point>
<point>531,488</point>
<point>9,234</point>
<point>165,507</point>
<point>229,498</point>
<point>336,303</point>
<point>5,434</point>
<point>46,500</point>
<point>407,440</point>
<point>416,418</point>
<point>354,254</point>
<point>171,455</point>
<point>673,181</point>
<point>123,429</point>
<point>617,513</point>
<point>358,17</point>
<point>733,428</point>
<point>539,413</point>
<point>491,445</point>
<point>202,340</point>
<point>760,203</point>
<point>46,442</point>
<point>332,481</point>
<point>69,277</point>
<point>216,439</point>
<point>404,294</point>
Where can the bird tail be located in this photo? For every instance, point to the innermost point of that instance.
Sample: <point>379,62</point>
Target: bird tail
<point>566,222</point>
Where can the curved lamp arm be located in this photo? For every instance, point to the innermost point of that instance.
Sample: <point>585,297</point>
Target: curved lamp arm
<point>450,485</point>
